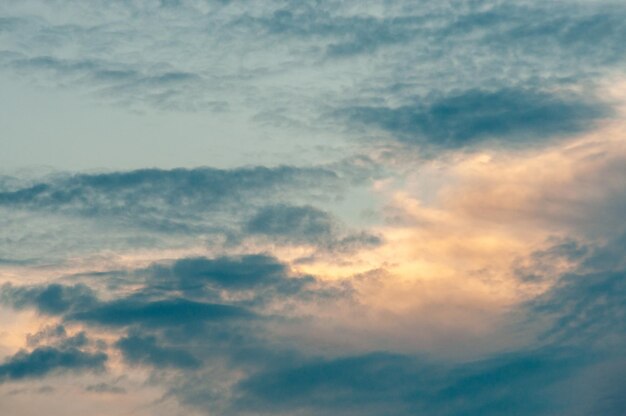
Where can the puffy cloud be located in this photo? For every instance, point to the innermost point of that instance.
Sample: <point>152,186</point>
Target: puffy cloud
<point>186,290</point>
<point>44,360</point>
<point>53,299</point>
<point>511,117</point>
<point>263,275</point>
<point>166,312</point>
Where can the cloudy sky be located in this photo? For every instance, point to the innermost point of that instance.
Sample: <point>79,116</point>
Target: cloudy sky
<point>312,207</point>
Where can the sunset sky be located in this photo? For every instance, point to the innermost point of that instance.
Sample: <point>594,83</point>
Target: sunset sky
<point>312,207</point>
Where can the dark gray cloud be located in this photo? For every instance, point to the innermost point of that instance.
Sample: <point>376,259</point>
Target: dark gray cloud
<point>167,312</point>
<point>44,360</point>
<point>368,384</point>
<point>45,334</point>
<point>584,334</point>
<point>298,222</point>
<point>585,311</point>
<point>542,265</point>
<point>231,272</point>
<point>436,74</point>
<point>251,281</point>
<point>305,224</point>
<point>52,351</point>
<point>610,256</point>
<point>587,305</point>
<point>155,208</point>
<point>76,303</point>
<point>256,272</point>
<point>138,349</point>
<point>52,299</point>
<point>187,201</point>
<point>58,336</point>
<point>165,57</point>
<point>519,383</point>
<point>511,117</point>
<point>152,191</point>
<point>188,291</point>
<point>582,339</point>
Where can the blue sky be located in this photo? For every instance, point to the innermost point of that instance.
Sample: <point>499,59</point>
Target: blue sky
<point>213,207</point>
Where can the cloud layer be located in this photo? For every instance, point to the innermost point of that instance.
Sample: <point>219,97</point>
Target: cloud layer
<point>312,207</point>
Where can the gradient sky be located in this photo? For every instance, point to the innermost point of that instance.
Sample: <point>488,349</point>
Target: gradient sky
<point>324,208</point>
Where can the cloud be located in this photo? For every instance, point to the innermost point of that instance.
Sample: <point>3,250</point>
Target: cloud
<point>586,305</point>
<point>307,225</point>
<point>517,383</point>
<point>202,200</point>
<point>487,23</point>
<point>157,208</point>
<point>297,222</point>
<point>138,349</point>
<point>187,291</point>
<point>255,370</point>
<point>151,191</point>
<point>52,350</point>
<point>44,360</point>
<point>48,332</point>
<point>491,283</point>
<point>76,303</point>
<point>575,29</point>
<point>232,272</point>
<point>154,207</point>
<point>167,312</point>
<point>165,89</point>
<point>587,308</point>
<point>165,57</point>
<point>511,117</point>
<point>53,299</point>
<point>369,384</point>
<point>520,383</point>
<point>58,336</point>
<point>105,388</point>
<point>345,35</point>
<point>252,272</point>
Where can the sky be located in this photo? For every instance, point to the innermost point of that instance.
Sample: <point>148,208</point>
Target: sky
<point>312,207</point>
